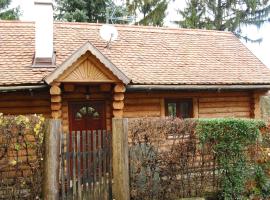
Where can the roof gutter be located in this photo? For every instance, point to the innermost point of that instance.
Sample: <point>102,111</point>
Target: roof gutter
<point>21,87</point>
<point>195,87</point>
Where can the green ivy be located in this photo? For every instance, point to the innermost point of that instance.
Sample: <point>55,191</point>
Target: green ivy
<point>229,138</point>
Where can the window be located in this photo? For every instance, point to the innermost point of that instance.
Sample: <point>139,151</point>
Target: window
<point>86,111</point>
<point>181,108</point>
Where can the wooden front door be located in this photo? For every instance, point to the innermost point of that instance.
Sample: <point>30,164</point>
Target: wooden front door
<point>87,160</point>
<point>87,116</point>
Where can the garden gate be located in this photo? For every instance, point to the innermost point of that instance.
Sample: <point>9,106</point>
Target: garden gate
<point>86,169</point>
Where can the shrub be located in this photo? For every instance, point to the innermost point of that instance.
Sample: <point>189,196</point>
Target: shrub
<point>172,158</point>
<point>258,186</point>
<point>21,156</point>
<point>165,159</point>
<point>229,139</point>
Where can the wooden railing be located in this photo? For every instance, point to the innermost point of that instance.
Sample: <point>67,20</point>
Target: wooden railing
<point>86,169</point>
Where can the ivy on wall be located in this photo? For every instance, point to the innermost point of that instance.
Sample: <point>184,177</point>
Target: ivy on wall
<point>229,140</point>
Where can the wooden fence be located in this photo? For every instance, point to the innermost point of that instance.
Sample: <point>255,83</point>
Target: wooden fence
<point>85,168</point>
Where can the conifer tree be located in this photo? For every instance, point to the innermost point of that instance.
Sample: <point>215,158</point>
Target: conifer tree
<point>228,15</point>
<point>81,10</point>
<point>192,15</point>
<point>6,13</point>
<point>150,12</point>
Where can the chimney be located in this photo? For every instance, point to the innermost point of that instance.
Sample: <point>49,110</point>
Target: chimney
<point>44,54</point>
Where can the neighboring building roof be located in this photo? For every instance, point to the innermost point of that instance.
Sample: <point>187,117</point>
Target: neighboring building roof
<point>146,55</point>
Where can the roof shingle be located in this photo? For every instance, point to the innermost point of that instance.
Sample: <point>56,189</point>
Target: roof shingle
<point>147,55</point>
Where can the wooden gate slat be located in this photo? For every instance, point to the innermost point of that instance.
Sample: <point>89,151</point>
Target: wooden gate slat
<point>86,165</point>
<point>79,164</point>
<point>89,156</point>
<point>84,177</point>
<point>94,156</point>
<point>68,165</point>
<point>109,134</point>
<point>63,167</point>
<point>99,163</point>
<point>73,165</point>
<point>104,163</point>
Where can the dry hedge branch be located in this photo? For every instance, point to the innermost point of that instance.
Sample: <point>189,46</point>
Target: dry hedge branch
<point>21,156</point>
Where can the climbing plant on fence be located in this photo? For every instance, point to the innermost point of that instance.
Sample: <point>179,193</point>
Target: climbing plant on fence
<point>230,139</point>
<point>173,158</point>
<point>21,156</point>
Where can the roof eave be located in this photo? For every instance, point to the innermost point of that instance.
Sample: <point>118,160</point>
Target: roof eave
<point>10,88</point>
<point>197,87</point>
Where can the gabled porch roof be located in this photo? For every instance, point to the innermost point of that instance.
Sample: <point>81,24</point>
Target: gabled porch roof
<point>70,61</point>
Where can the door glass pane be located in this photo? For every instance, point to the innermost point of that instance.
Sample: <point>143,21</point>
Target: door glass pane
<point>185,108</point>
<point>92,112</point>
<point>172,109</point>
<point>95,115</point>
<point>83,110</point>
<point>78,116</point>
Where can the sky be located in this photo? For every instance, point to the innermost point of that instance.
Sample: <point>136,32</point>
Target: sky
<point>262,50</point>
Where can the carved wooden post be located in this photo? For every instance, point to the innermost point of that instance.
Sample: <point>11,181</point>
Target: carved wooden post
<point>120,159</point>
<point>51,161</point>
<point>120,146</point>
<point>118,100</point>
<point>52,146</point>
<point>56,100</point>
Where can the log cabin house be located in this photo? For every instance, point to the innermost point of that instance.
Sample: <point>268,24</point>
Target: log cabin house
<point>66,71</point>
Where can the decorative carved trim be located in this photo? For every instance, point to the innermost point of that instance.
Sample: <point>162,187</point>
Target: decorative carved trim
<point>84,49</point>
<point>87,70</point>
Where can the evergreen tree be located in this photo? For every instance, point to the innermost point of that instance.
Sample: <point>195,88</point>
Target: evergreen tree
<point>227,15</point>
<point>153,11</point>
<point>192,15</point>
<point>8,14</point>
<point>82,10</point>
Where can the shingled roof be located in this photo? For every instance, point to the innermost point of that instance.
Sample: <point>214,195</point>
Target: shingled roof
<point>146,55</point>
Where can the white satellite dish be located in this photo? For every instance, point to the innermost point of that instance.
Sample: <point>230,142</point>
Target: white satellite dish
<point>108,33</point>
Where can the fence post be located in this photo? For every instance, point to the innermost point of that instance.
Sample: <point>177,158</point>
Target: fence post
<point>51,160</point>
<point>120,159</point>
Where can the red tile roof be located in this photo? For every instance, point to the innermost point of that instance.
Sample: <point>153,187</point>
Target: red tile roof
<point>146,55</point>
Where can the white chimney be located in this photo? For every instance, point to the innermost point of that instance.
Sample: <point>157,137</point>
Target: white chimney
<point>43,32</point>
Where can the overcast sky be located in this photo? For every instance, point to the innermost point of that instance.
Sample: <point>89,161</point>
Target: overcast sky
<point>262,50</point>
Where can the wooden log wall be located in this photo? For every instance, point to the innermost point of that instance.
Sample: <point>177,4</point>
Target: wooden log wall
<point>26,102</point>
<point>226,105</point>
<point>205,104</point>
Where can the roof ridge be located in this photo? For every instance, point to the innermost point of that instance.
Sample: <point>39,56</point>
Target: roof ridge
<point>126,27</point>
<point>148,28</point>
<point>16,23</point>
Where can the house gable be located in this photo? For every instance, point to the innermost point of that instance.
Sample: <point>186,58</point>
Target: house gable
<point>87,69</point>
<point>87,64</point>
